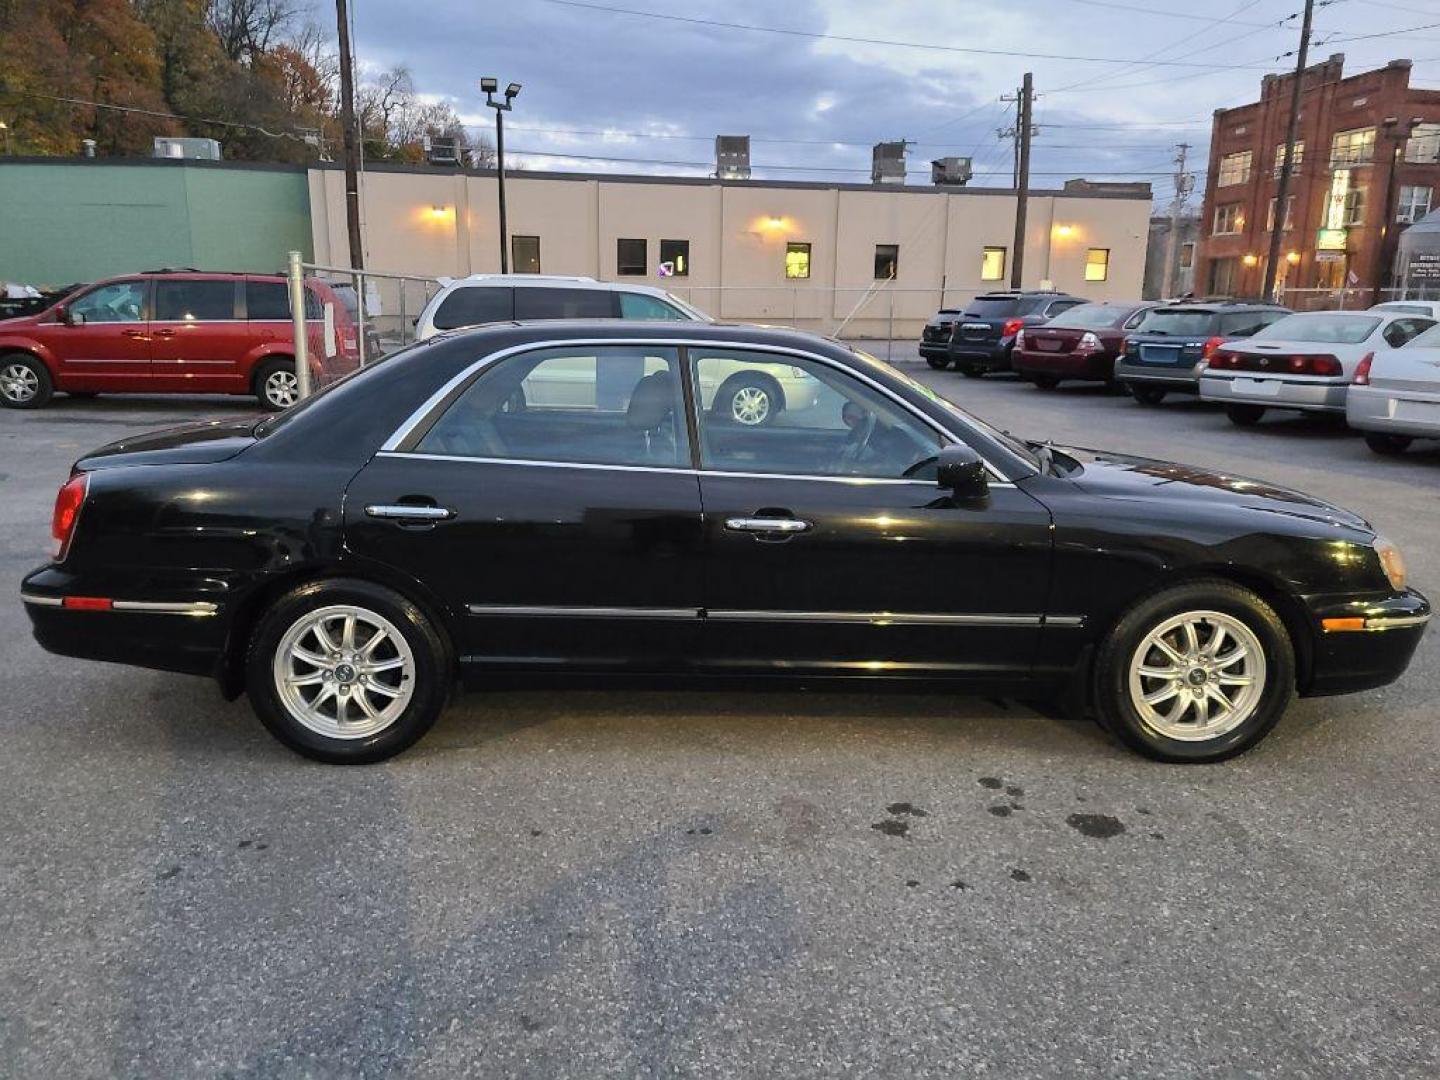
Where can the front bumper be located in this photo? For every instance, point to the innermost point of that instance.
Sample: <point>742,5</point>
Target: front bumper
<point>1365,643</point>
<point>1369,408</point>
<point>1184,380</point>
<point>1308,395</point>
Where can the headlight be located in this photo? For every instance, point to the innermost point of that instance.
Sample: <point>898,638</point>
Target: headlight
<point>1392,562</point>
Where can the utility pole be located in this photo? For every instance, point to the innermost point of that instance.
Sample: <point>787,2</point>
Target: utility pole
<point>352,139</point>
<point>1183,181</point>
<point>1282,191</point>
<point>1395,135</point>
<point>1022,179</point>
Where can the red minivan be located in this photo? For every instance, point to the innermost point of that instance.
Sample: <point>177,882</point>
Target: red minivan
<point>182,332</point>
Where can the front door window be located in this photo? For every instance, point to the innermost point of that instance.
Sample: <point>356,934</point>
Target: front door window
<point>123,302</point>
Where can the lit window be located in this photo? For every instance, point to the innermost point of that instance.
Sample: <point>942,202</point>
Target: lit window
<point>1097,264</point>
<point>797,260</point>
<point>676,254</point>
<point>630,258</point>
<point>887,261</point>
<point>1234,169</point>
<point>1280,157</point>
<point>1289,214</point>
<point>992,264</point>
<point>1423,146</point>
<point>1414,203</point>
<point>1352,147</point>
<point>525,254</point>
<point>1354,207</point>
<point>1228,219</point>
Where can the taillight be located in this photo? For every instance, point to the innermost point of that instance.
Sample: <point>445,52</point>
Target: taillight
<point>1323,365</point>
<point>1328,366</point>
<point>1221,360</point>
<point>1211,344</point>
<point>68,501</point>
<point>1012,326</point>
<point>1362,373</point>
<point>1020,339</point>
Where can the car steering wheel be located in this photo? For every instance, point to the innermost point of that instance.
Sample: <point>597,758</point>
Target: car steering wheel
<point>858,441</point>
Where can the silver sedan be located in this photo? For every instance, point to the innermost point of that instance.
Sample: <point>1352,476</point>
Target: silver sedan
<point>1306,361</point>
<point>1396,395</point>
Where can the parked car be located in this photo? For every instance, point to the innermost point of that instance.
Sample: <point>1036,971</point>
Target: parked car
<point>983,335</point>
<point>1305,361</point>
<point>1430,309</point>
<point>1167,352</point>
<point>14,306</point>
<point>407,525</point>
<point>174,332</point>
<point>1081,343</point>
<point>1395,398</point>
<point>486,298</point>
<point>935,338</point>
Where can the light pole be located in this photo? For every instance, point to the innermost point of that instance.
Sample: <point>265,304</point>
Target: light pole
<point>490,84</point>
<point>1395,136</point>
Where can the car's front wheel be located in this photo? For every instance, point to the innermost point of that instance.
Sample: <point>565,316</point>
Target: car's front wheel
<point>1197,673</point>
<point>347,672</point>
<point>276,384</point>
<point>1389,445</point>
<point>25,382</point>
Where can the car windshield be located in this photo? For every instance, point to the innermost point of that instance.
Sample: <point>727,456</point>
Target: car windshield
<point>1320,326</point>
<point>1182,322</point>
<point>1004,438</point>
<point>1093,316</point>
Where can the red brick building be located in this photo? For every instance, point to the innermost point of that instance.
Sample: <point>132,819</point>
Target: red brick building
<point>1364,144</point>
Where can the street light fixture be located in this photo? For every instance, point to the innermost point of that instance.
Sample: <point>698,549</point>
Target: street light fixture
<point>489,84</point>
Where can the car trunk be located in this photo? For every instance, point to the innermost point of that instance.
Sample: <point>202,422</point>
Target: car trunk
<point>190,444</point>
<point>1049,339</point>
<point>1412,369</point>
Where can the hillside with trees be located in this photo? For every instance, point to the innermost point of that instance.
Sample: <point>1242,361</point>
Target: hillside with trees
<point>261,76</point>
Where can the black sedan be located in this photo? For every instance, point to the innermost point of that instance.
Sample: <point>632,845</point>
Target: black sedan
<point>538,500</point>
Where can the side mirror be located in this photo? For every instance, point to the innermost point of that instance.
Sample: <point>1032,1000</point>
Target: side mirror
<point>961,471</point>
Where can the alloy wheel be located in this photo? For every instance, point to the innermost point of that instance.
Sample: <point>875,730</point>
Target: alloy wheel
<point>344,672</point>
<point>19,383</point>
<point>1197,676</point>
<point>750,405</point>
<point>282,389</point>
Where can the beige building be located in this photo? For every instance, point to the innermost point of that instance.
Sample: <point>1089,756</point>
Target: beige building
<point>820,256</point>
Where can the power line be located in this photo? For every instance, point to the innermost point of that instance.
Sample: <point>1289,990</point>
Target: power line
<point>1167,14</point>
<point>815,35</point>
<point>152,112</point>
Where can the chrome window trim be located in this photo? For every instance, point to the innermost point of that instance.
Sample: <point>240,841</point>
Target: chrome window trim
<point>408,426</point>
<point>545,611</point>
<point>872,618</point>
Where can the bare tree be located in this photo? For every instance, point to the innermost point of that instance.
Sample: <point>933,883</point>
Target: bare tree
<point>246,28</point>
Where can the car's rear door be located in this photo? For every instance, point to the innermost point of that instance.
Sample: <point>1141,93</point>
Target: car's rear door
<point>830,550</point>
<point>561,528</point>
<point>199,336</point>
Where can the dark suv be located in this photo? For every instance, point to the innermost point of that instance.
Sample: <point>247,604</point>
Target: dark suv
<point>982,336</point>
<point>1167,352</point>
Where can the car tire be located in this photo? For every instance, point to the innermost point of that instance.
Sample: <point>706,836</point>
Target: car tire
<point>937,362</point>
<point>970,371</point>
<point>1045,382</point>
<point>1159,716</point>
<point>1147,395</point>
<point>275,384</point>
<point>1245,415</point>
<point>370,700</point>
<point>1388,445</point>
<point>25,382</point>
<point>749,400</point>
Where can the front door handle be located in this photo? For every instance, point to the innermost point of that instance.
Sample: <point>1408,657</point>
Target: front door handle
<point>403,512</point>
<point>766,525</point>
<point>132,333</point>
<point>164,333</point>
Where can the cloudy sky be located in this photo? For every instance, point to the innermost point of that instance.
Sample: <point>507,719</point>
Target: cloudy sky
<point>1120,81</point>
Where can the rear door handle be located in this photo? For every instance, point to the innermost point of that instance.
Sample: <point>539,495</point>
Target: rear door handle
<point>766,525</point>
<point>402,512</point>
<point>164,333</point>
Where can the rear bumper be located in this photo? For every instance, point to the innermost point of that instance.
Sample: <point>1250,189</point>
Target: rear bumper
<point>1369,408</point>
<point>1375,652</point>
<point>183,634</point>
<point>1097,366</point>
<point>989,356</point>
<point>935,350</point>
<point>1312,395</point>
<point>1185,380</point>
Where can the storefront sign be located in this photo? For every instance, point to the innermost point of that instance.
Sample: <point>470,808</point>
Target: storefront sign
<point>1424,266</point>
<point>1330,240</point>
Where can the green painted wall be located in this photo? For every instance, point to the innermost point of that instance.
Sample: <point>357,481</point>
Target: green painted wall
<point>64,221</point>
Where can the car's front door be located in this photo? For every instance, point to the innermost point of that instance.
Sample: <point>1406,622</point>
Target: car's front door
<point>553,506</point>
<point>198,343</point>
<point>831,550</point>
<point>105,344</point>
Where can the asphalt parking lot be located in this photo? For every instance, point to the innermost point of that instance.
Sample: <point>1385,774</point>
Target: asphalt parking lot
<point>698,884</point>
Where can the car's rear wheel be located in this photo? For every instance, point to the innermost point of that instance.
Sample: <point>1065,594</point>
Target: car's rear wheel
<point>1147,395</point>
<point>1199,672</point>
<point>1389,445</point>
<point>1045,382</point>
<point>1245,415</point>
<point>750,400</point>
<point>939,363</point>
<point>347,672</point>
<point>971,371</point>
<point>25,382</point>
<point>276,384</point>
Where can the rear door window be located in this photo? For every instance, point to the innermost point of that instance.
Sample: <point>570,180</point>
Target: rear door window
<point>1402,331</point>
<point>267,301</point>
<point>472,305</point>
<point>541,303</point>
<point>641,306</point>
<point>194,301</point>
